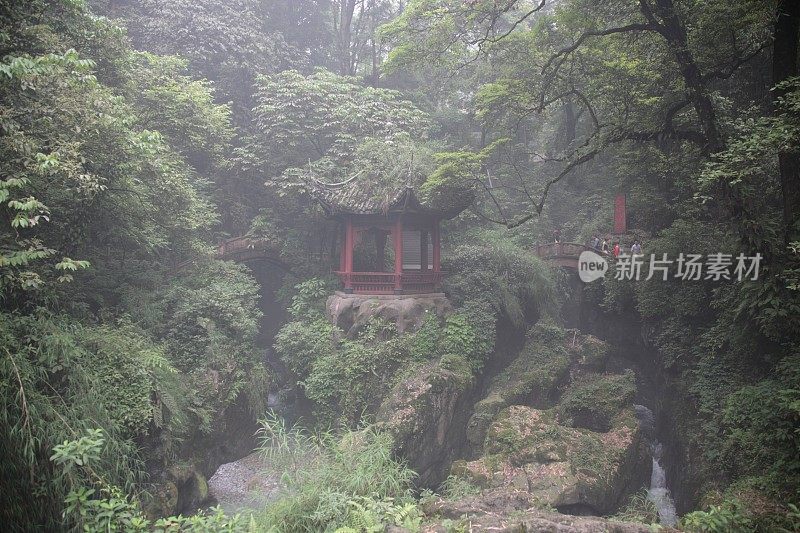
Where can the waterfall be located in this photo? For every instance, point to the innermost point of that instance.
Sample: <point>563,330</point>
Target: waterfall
<point>658,493</point>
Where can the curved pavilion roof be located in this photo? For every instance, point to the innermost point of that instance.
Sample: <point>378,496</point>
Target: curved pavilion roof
<point>354,198</point>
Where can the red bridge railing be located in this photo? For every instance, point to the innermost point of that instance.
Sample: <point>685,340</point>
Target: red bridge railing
<point>564,254</point>
<point>560,249</point>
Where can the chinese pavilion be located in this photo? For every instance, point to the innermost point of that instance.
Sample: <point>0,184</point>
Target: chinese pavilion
<point>369,220</point>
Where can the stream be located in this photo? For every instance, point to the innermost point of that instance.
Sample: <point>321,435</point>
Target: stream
<point>247,483</point>
<point>658,493</point>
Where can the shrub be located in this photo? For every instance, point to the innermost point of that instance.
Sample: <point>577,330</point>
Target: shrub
<point>54,387</point>
<point>352,376</point>
<point>347,378</point>
<point>207,319</point>
<point>760,424</point>
<point>302,342</point>
<point>330,481</point>
<point>94,505</point>
<point>639,508</point>
<point>726,518</point>
<point>462,338</point>
<point>504,278</point>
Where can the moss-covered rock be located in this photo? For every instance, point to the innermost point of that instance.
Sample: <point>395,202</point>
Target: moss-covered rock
<point>592,401</point>
<point>560,466</point>
<point>426,415</point>
<point>550,355</point>
<point>592,353</point>
<point>162,501</point>
<point>484,412</point>
<point>192,488</point>
<point>513,511</point>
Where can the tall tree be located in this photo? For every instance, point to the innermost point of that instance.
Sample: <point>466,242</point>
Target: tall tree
<point>784,67</point>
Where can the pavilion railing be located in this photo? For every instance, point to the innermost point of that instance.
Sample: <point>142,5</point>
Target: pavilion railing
<point>386,282</point>
<point>421,282</point>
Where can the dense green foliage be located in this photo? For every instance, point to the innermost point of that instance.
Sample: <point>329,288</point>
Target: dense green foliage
<point>108,155</point>
<point>95,505</point>
<point>579,101</point>
<point>347,378</point>
<point>342,483</point>
<point>130,145</point>
<point>494,271</point>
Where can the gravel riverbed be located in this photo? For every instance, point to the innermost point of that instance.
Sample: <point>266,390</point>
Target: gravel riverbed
<point>243,485</point>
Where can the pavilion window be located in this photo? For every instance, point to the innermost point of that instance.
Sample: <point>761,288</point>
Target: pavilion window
<point>413,250</point>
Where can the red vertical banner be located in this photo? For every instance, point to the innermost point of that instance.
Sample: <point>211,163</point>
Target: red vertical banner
<point>620,219</point>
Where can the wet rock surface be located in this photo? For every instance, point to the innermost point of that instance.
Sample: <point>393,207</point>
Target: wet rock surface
<point>243,484</point>
<point>555,426</point>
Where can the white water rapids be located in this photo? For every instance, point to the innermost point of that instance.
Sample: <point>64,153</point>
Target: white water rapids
<point>658,493</point>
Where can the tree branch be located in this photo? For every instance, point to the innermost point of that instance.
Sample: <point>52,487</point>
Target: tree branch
<point>734,65</point>
<point>596,33</point>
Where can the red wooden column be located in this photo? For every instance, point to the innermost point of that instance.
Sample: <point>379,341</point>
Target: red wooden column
<point>620,218</point>
<point>349,242</point>
<point>397,236</point>
<point>423,250</point>
<point>342,248</point>
<point>436,244</point>
<point>380,249</point>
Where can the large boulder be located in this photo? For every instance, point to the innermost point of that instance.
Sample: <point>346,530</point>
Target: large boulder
<point>592,401</point>
<point>513,512</point>
<point>550,357</point>
<point>426,415</point>
<point>351,312</point>
<point>575,470</point>
<point>192,488</point>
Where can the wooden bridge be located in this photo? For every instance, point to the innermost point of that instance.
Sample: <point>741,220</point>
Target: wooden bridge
<point>564,254</point>
<point>245,248</point>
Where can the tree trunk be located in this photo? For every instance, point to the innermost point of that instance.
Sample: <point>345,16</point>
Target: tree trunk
<point>674,31</point>
<point>345,23</point>
<point>784,66</point>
